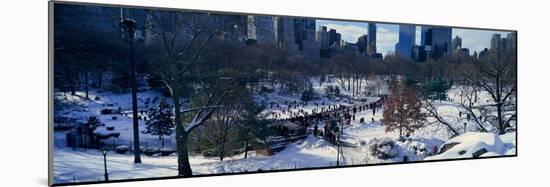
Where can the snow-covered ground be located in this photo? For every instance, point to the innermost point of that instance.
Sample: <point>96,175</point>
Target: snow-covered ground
<point>80,110</point>
<point>87,165</point>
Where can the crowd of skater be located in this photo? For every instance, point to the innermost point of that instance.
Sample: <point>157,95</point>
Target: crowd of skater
<point>331,118</point>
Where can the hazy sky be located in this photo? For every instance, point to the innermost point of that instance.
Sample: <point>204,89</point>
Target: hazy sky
<point>387,35</point>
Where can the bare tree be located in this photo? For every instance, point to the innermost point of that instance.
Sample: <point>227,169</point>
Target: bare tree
<point>432,112</point>
<point>494,75</point>
<point>184,38</point>
<point>220,131</point>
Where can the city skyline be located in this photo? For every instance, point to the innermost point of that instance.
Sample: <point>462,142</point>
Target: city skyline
<point>388,35</point>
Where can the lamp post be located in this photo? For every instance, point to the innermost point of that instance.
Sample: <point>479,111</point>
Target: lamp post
<point>128,25</point>
<point>104,152</point>
<point>341,119</point>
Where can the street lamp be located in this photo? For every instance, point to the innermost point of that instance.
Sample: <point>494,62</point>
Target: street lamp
<point>340,132</point>
<point>104,152</point>
<point>128,25</point>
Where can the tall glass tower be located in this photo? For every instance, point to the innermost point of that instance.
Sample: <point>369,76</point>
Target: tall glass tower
<point>436,40</point>
<point>371,46</point>
<point>407,38</point>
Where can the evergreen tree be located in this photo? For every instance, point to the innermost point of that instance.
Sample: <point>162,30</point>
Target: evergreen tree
<point>436,90</point>
<point>253,128</point>
<point>160,121</point>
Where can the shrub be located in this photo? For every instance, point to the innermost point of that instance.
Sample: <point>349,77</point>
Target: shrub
<point>384,149</point>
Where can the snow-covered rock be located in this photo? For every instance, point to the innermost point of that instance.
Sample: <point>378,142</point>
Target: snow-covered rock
<point>476,144</point>
<point>121,149</point>
<point>384,148</point>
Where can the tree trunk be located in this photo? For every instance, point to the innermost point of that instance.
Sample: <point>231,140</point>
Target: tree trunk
<point>222,147</point>
<point>349,83</point>
<point>501,126</point>
<point>162,141</point>
<point>246,147</point>
<point>86,85</point>
<point>73,89</point>
<point>184,168</point>
<point>99,80</point>
<point>222,152</point>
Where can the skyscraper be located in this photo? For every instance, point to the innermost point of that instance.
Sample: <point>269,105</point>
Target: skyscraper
<point>334,37</point>
<point>456,43</point>
<point>512,41</point>
<point>262,29</point>
<point>500,44</point>
<point>407,35</point>
<point>285,35</point>
<point>362,43</point>
<point>301,27</point>
<point>323,38</point>
<point>304,30</point>
<point>436,41</point>
<point>371,46</point>
<point>495,42</point>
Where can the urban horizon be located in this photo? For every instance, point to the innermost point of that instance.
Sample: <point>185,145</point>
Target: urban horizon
<point>388,34</point>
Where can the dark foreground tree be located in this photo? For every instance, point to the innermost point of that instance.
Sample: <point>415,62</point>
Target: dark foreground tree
<point>187,73</point>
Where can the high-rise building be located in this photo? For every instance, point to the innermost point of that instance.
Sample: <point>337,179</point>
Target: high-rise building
<point>456,43</point>
<point>436,41</point>
<point>301,26</point>
<point>507,44</point>
<point>323,37</point>
<point>334,37</point>
<point>463,51</point>
<point>362,43</point>
<point>441,41</point>
<point>285,35</point>
<point>407,35</point>
<point>262,29</point>
<point>304,30</point>
<point>418,53</point>
<point>483,53</point>
<point>512,41</point>
<point>344,48</point>
<point>371,46</point>
<point>496,42</point>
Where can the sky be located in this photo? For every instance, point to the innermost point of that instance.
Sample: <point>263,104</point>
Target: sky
<point>387,35</point>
